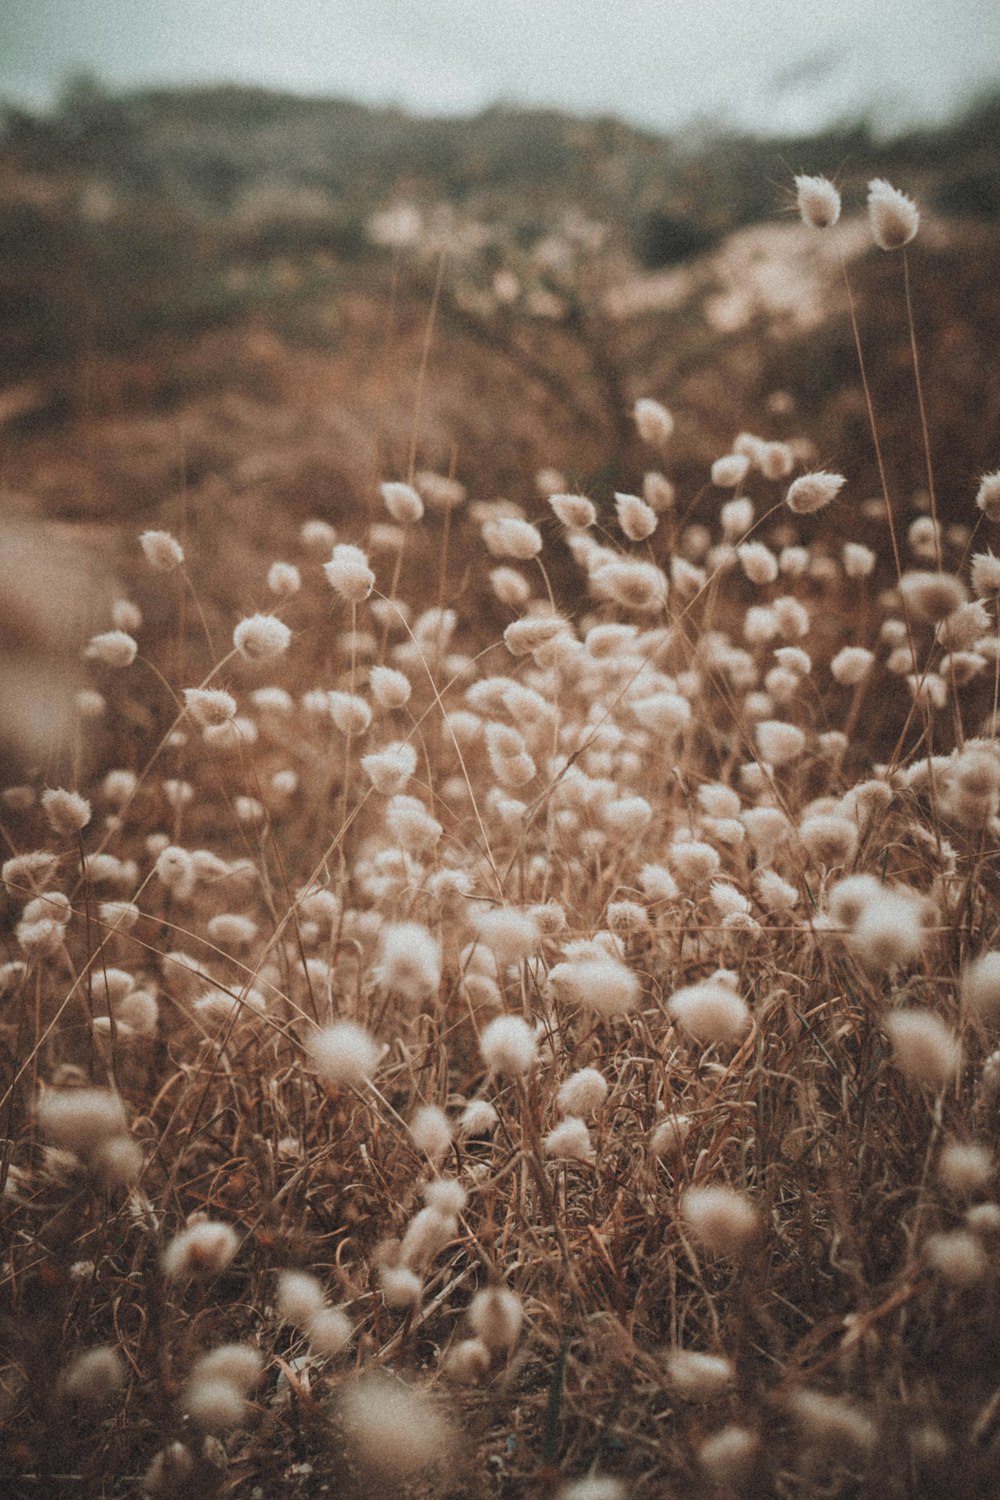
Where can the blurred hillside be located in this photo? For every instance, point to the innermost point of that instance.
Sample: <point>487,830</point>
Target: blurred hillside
<point>257,271</point>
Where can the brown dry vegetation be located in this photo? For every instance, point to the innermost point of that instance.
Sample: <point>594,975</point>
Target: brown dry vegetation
<point>547,866</point>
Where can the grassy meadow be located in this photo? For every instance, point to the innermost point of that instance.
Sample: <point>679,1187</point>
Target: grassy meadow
<point>500,974</point>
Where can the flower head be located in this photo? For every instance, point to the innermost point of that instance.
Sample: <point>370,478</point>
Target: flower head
<point>261,638</point>
<point>894,217</point>
<point>818,200</point>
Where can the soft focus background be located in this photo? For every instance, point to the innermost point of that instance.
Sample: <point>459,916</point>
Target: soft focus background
<point>232,237</point>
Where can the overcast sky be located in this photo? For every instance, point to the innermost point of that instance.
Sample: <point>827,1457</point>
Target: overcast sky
<point>784,64</point>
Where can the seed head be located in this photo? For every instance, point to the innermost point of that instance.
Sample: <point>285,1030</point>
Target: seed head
<point>477,1118</point>
<point>728,1456</point>
<point>162,551</point>
<point>524,636</point>
<point>569,1141</point>
<point>859,561</point>
<point>981,988</point>
<point>344,1055</point>
<point>467,1361</point>
<point>261,638</point>
<point>510,587</point>
<point>894,217</point>
<point>430,1131</point>
<point>80,1120</point>
<point>720,1218</point>
<point>508,1046</point>
<point>511,537</point>
<point>299,1298</point>
<point>958,1256</point>
<point>349,712</point>
<point>709,1012</point>
<point>496,1317</point>
<point>758,562</point>
<point>923,1047</point>
<point>668,1137</point>
<point>965,1168</point>
<point>94,1376</point>
<point>394,1431</point>
<point>410,961</point>
<point>348,573</point>
<point>698,1376</point>
<point>851,665</point>
<point>574,511</point>
<point>988,495</point>
<point>213,1405</point>
<point>985,575</point>
<point>592,1487</point>
<point>209,705</point>
<point>284,579</point>
<point>818,200</point>
<point>390,768</point>
<point>601,984</point>
<point>810,492</point>
<point>401,1286</point>
<point>200,1251</point>
<point>330,1330</point>
<point>779,743</point>
<point>653,421</point>
<point>730,471</point>
<point>582,1093</point>
<point>831,1421</point>
<point>402,502</point>
<point>888,930</point>
<point>636,519</point>
<point>114,648</point>
<point>66,812</point>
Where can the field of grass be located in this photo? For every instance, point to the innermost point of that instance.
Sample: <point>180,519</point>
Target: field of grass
<point>498,995</point>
